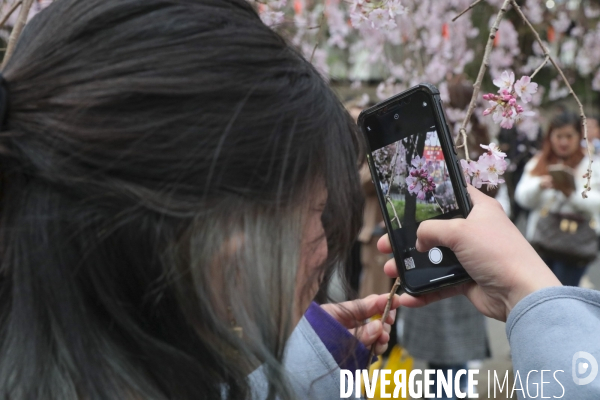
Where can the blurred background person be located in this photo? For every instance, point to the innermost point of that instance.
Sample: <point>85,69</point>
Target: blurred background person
<point>593,125</point>
<point>519,149</point>
<point>546,197</point>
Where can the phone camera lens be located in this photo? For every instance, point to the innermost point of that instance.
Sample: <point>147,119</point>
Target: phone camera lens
<point>424,104</point>
<point>396,116</point>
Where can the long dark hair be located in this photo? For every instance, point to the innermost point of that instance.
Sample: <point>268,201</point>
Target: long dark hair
<point>547,156</point>
<point>156,164</point>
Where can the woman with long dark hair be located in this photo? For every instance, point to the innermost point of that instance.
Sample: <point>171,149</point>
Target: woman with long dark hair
<point>176,181</point>
<point>538,192</point>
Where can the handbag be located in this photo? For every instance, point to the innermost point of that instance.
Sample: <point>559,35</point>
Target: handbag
<point>566,237</point>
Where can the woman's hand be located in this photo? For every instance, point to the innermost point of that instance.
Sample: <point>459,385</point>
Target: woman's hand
<point>354,313</point>
<point>502,263</point>
<point>546,182</point>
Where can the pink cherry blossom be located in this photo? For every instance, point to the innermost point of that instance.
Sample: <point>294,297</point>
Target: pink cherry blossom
<point>378,18</point>
<point>487,169</point>
<point>371,15</point>
<point>414,184</point>
<point>418,180</point>
<point>271,18</point>
<point>493,168</point>
<point>504,116</point>
<point>503,106</point>
<point>507,118</point>
<point>494,150</point>
<point>358,19</point>
<point>562,23</point>
<point>534,11</point>
<point>524,88</point>
<point>478,173</point>
<point>338,25</point>
<point>277,4</point>
<point>395,8</point>
<point>506,81</point>
<point>418,162</point>
<point>466,169</point>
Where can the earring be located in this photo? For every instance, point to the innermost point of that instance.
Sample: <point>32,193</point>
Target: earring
<point>238,330</point>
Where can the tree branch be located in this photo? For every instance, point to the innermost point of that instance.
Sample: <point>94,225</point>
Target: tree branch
<point>318,37</point>
<point>588,175</point>
<point>10,12</point>
<point>17,29</point>
<point>389,200</point>
<point>394,174</point>
<point>465,10</point>
<point>540,67</point>
<point>386,313</point>
<point>477,85</point>
<point>463,136</point>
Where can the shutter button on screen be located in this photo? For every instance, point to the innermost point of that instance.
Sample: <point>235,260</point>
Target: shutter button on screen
<point>435,255</point>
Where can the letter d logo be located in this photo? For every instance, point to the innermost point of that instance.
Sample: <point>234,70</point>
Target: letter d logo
<point>580,368</point>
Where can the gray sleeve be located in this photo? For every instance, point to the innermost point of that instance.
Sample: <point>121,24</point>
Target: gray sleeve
<point>312,370</point>
<point>554,336</point>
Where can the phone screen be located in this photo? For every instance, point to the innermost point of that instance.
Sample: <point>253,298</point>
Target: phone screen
<point>414,182</point>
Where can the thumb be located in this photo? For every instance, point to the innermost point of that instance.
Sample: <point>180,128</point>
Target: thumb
<point>437,232</point>
<point>477,196</point>
<point>371,332</point>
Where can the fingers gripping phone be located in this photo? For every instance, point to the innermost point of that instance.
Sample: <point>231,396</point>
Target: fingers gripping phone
<point>417,176</point>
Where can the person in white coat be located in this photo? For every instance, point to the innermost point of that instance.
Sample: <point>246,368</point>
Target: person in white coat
<point>538,192</point>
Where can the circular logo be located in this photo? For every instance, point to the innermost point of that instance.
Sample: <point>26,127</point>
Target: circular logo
<point>580,368</point>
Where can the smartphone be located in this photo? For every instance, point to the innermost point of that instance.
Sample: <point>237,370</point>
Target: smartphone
<point>418,177</point>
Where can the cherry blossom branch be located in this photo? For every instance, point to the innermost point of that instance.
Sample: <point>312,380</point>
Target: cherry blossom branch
<point>588,175</point>
<point>16,32</point>
<point>388,199</point>
<point>318,37</point>
<point>480,75</point>
<point>10,12</point>
<point>538,69</point>
<point>465,10</point>
<point>386,313</point>
<point>438,204</point>
<point>463,135</point>
<point>393,164</point>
